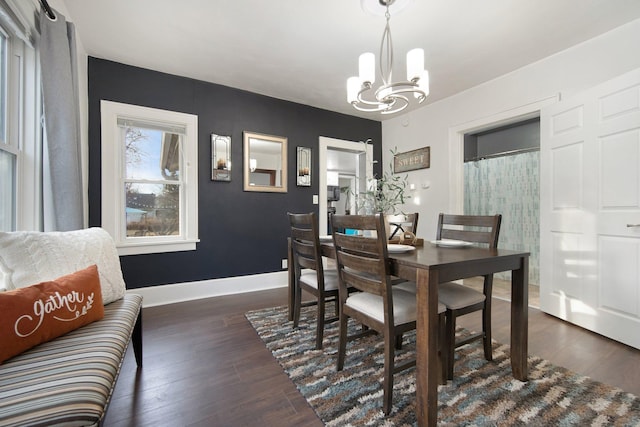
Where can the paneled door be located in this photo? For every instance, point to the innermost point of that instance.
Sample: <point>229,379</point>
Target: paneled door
<point>590,209</point>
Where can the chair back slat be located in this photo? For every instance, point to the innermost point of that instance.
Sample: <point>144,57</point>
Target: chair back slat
<point>361,244</point>
<point>307,262</point>
<point>362,273</point>
<point>305,253</point>
<point>305,234</point>
<point>470,228</point>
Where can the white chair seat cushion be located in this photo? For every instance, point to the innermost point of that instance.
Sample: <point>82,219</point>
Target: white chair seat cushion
<point>310,278</point>
<point>404,306</point>
<point>455,296</point>
<point>406,286</point>
<point>410,287</point>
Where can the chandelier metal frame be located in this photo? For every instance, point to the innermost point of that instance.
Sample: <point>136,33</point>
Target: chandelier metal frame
<point>391,97</point>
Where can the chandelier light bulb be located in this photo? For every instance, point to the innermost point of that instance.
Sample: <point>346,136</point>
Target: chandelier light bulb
<point>353,87</point>
<point>415,64</point>
<point>367,67</point>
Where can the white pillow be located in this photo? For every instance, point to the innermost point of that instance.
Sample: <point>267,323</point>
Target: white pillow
<point>31,257</point>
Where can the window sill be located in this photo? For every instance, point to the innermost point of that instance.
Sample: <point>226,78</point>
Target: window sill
<point>156,247</point>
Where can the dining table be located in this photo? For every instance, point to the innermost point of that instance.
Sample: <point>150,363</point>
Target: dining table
<point>430,265</point>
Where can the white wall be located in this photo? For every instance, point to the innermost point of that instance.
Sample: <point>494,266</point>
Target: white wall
<point>565,73</point>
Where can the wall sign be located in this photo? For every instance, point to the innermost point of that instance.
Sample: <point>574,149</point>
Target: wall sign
<point>412,160</point>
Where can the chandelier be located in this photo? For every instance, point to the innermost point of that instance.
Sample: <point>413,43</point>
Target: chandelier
<point>391,97</point>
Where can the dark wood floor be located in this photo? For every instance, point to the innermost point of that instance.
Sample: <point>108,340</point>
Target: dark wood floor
<point>204,365</point>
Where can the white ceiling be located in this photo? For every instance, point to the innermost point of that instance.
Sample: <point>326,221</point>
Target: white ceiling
<point>304,50</point>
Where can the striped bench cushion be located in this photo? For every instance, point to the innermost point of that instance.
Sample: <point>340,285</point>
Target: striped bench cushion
<point>69,381</point>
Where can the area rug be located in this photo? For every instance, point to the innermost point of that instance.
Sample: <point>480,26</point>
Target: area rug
<point>482,393</point>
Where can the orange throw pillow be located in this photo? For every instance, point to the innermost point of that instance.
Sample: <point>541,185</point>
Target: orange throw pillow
<point>39,313</point>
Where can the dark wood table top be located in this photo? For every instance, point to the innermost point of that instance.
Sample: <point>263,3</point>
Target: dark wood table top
<point>455,263</point>
<point>458,261</point>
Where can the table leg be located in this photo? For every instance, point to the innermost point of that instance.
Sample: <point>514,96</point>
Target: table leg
<point>291,279</point>
<point>427,374</point>
<point>520,320</point>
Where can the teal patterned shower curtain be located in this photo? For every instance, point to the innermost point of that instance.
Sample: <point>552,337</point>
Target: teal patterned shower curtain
<point>508,185</point>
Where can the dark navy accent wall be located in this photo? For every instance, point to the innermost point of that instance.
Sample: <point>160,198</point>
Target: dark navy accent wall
<point>240,232</point>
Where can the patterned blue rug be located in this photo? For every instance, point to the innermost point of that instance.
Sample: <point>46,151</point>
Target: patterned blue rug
<point>482,393</point>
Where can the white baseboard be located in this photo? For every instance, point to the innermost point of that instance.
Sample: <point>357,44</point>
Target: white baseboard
<point>187,291</point>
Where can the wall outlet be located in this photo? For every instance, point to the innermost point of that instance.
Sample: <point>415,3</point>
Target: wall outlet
<point>285,263</point>
<point>315,199</point>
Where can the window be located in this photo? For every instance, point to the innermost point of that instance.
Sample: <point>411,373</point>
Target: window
<point>8,148</point>
<point>20,130</point>
<point>149,178</point>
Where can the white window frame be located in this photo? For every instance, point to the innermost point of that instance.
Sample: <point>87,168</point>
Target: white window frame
<point>113,198</point>
<point>23,113</point>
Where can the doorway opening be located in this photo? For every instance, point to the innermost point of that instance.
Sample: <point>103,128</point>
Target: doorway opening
<point>344,167</point>
<point>457,134</point>
<point>501,175</point>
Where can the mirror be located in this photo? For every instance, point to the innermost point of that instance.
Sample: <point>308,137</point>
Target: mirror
<point>220,158</point>
<point>303,175</point>
<point>265,163</point>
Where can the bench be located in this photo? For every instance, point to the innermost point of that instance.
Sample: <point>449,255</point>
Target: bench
<point>69,380</point>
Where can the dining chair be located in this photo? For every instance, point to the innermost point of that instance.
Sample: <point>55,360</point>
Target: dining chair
<point>363,264</point>
<point>400,223</point>
<point>460,299</point>
<point>310,275</point>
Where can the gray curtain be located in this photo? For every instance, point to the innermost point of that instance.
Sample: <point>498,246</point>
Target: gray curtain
<point>62,172</point>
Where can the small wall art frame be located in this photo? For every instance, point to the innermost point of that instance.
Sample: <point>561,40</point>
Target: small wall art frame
<point>412,160</point>
<point>220,158</point>
<point>303,169</point>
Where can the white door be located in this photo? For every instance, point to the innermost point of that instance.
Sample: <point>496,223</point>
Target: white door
<point>590,209</point>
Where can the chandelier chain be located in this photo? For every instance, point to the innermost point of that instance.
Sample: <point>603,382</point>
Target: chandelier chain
<point>386,45</point>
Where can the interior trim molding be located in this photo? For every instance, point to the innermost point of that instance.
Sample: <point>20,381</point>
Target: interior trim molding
<point>187,291</point>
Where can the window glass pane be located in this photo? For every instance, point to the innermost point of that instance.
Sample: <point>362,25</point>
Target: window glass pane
<point>151,154</point>
<point>7,191</point>
<point>152,209</point>
<point>3,87</point>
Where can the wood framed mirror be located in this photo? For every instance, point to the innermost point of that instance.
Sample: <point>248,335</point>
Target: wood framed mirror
<point>265,163</point>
